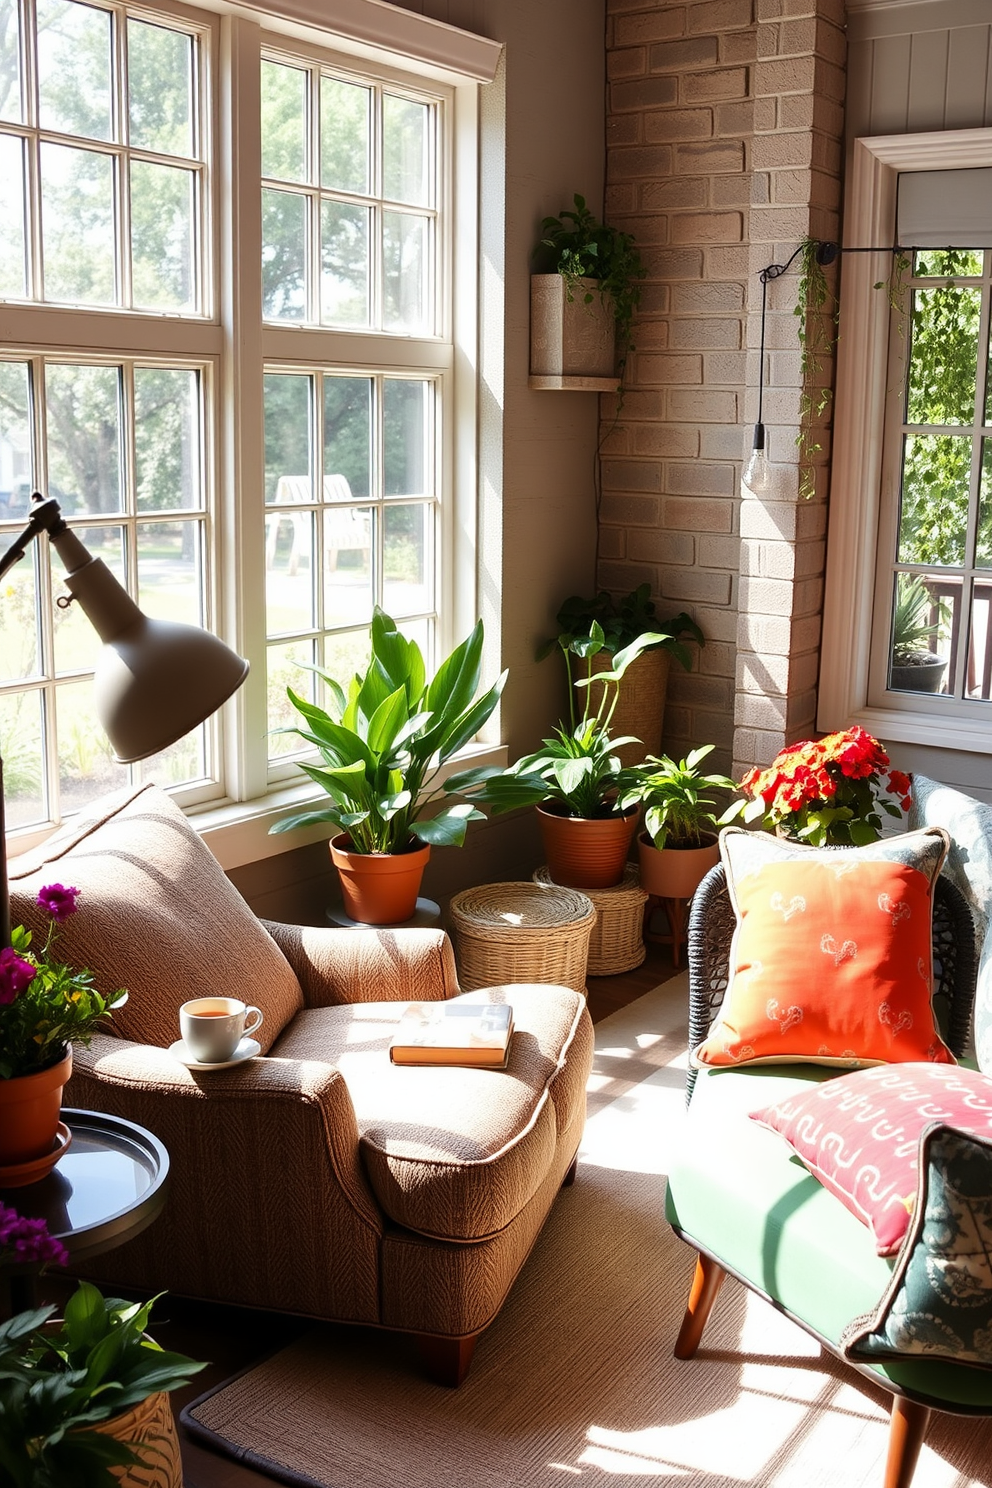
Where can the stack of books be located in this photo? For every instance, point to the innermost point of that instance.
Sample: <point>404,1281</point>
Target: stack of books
<point>470,1033</point>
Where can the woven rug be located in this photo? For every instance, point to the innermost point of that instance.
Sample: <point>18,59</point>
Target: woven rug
<point>575,1381</point>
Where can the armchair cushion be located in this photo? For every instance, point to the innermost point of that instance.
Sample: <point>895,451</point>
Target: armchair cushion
<point>859,1134</point>
<point>832,959</point>
<point>939,1302</point>
<point>157,915</point>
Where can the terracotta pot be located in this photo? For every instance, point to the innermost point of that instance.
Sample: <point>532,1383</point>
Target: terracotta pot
<point>586,852</point>
<point>150,1428</point>
<point>29,1115</point>
<point>379,888</point>
<point>675,872</point>
<point>640,706</point>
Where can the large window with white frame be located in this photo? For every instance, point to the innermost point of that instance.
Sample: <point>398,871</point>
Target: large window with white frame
<point>907,639</point>
<point>228,350</point>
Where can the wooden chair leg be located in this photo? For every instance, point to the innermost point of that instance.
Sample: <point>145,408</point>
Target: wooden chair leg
<point>706,1285</point>
<point>907,1428</point>
<point>446,1360</point>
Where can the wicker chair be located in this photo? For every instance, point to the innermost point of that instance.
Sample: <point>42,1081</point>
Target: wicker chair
<point>918,1387</point>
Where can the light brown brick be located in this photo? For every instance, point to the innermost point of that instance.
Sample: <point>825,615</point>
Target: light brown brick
<point>639,405</point>
<point>773,152</point>
<point>677,56</point>
<point>664,547</point>
<point>717,624</point>
<point>766,712</point>
<point>631,475</point>
<point>709,159</point>
<point>626,62</point>
<point>766,115</point>
<point>623,129</point>
<point>665,371</point>
<point>726,263</point>
<point>665,439</point>
<point>622,510</point>
<point>706,332</point>
<point>722,442</point>
<point>718,16</point>
<point>616,441</point>
<point>655,300</point>
<point>722,83</point>
<point>612,542</point>
<point>644,93</point>
<point>619,200</point>
<point>719,552</point>
<point>620,578</point>
<point>636,162</point>
<point>674,263</point>
<point>702,406</point>
<point>700,479</point>
<point>730,191</point>
<point>707,227</point>
<point>678,124</point>
<point>723,368</point>
<point>784,75</point>
<point>698,514</point>
<point>695,688</point>
<point>659,24</point>
<point>761,675</point>
<point>707,299</point>
<point>737,46</point>
<point>651,335</point>
<point>677,191</point>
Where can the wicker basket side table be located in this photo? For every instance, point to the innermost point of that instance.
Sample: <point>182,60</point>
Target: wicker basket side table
<point>617,940</point>
<point>521,932</point>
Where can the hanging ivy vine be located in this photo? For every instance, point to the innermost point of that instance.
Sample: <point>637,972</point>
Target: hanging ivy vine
<point>816,313</point>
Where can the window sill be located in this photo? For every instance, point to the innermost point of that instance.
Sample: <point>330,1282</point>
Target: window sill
<point>239,831</point>
<point>898,727</point>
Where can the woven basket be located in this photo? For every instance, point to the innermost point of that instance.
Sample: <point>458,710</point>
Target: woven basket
<point>617,940</point>
<point>521,932</point>
<point>641,703</point>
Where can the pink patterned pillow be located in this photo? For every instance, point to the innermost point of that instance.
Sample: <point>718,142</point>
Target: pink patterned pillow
<point>859,1134</point>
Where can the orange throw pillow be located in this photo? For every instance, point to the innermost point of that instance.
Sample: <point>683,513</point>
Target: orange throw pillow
<point>831,962</point>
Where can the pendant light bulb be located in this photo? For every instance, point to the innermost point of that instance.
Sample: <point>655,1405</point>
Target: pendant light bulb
<point>757,472</point>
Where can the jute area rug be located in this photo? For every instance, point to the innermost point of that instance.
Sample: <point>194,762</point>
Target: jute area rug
<point>575,1381</point>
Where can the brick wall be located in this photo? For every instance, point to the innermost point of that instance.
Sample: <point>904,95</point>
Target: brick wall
<point>724,120</point>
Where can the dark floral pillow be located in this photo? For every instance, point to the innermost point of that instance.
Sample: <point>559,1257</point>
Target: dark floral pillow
<point>939,1301</point>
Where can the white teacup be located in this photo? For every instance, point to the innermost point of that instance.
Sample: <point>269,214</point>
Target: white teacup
<point>213,1027</point>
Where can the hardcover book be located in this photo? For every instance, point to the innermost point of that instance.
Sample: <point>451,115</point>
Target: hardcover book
<point>470,1033</point>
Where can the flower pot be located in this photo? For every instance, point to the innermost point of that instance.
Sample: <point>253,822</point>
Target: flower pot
<point>675,872</point>
<point>29,1120</point>
<point>921,671</point>
<point>640,706</point>
<point>379,888</point>
<point>150,1428</point>
<point>586,852</point>
<point>568,336</point>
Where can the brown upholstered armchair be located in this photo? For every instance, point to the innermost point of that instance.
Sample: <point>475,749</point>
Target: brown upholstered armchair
<point>320,1179</point>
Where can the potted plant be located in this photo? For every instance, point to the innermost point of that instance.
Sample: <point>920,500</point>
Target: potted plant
<point>84,1400</point>
<point>641,700</point>
<point>584,293</point>
<point>576,779</point>
<point>828,792</point>
<point>45,1007</point>
<point>678,845</point>
<point>382,745</point>
<point>915,666</point>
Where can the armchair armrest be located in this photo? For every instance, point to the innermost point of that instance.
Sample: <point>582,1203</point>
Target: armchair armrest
<point>266,1150</point>
<point>341,966</point>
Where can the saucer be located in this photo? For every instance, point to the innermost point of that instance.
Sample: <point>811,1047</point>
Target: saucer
<point>18,1175</point>
<point>248,1048</point>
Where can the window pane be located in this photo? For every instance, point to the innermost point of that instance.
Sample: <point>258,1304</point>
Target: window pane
<point>287,435</point>
<point>925,615</point>
<point>25,800</point>
<point>20,643</point>
<point>170,571</point>
<point>84,437</point>
<point>345,654</point>
<point>10,69</point>
<point>945,263</point>
<point>404,272</point>
<point>74,83</point>
<point>162,266</point>
<point>284,132</point>
<point>15,441</point>
<point>348,548</point>
<point>86,761</point>
<point>283,255</point>
<point>933,519</point>
<point>979,679</point>
<point>160,89</point>
<point>344,264</point>
<point>77,212</point>
<point>983,547</point>
<point>180,764</point>
<point>77,645</point>
<point>287,667</point>
<point>404,435</point>
<point>289,585</point>
<point>944,355</point>
<point>407,559</point>
<point>345,111</point>
<point>347,437</point>
<point>12,266</point>
<point>405,151</point>
<point>166,440</point>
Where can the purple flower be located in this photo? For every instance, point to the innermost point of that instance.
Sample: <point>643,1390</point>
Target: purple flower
<point>15,975</point>
<point>59,901</point>
<point>28,1241</point>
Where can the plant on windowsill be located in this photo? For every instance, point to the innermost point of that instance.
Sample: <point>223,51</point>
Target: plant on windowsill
<point>382,744</point>
<point>915,667</point>
<point>678,844</point>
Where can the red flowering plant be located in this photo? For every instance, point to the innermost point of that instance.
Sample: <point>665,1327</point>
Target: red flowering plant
<point>45,1005</point>
<point>827,792</point>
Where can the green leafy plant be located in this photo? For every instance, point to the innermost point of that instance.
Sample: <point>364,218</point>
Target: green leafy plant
<point>622,622</point>
<point>59,1380</point>
<point>384,741</point>
<point>817,335</point>
<point>677,812</point>
<point>912,628</point>
<point>44,1004</point>
<point>578,767</point>
<point>578,246</point>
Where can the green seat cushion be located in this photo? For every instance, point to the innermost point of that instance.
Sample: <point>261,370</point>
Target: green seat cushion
<point>737,1189</point>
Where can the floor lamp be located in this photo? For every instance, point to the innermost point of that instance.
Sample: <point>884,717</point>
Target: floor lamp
<point>155,680</point>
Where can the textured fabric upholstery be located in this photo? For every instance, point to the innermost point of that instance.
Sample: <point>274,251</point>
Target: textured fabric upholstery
<point>452,1153</point>
<point>156,914</point>
<point>343,966</point>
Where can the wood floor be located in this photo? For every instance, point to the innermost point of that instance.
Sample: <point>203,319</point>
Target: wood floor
<point>233,1338</point>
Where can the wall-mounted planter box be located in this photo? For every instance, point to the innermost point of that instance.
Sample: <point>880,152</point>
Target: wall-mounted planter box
<point>572,343</point>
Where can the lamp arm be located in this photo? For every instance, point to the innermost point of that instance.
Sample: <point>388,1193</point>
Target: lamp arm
<point>46,516</point>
